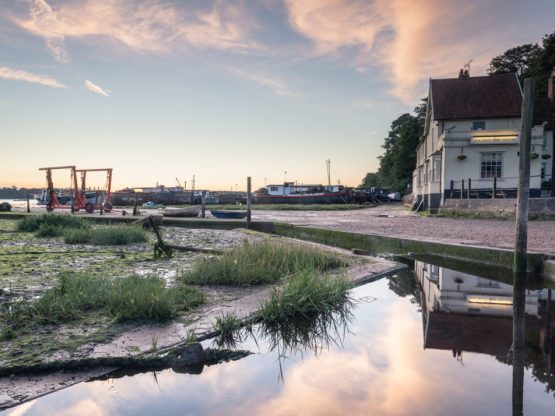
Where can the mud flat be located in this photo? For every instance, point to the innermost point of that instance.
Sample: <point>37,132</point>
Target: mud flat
<point>31,266</point>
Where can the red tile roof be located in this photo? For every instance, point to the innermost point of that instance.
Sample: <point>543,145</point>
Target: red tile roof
<point>490,96</point>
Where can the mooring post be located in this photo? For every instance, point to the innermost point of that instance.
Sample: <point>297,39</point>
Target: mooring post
<point>101,203</point>
<point>28,206</point>
<point>494,187</point>
<point>469,187</point>
<point>521,246</point>
<point>203,203</point>
<point>249,201</point>
<point>135,205</point>
<point>521,243</point>
<point>462,188</point>
<point>73,202</point>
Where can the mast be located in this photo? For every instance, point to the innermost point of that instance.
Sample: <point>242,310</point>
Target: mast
<point>328,166</point>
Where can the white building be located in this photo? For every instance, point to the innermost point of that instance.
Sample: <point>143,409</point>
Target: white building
<point>471,134</point>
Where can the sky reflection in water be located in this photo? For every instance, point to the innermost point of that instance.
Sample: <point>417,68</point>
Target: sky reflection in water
<point>379,368</point>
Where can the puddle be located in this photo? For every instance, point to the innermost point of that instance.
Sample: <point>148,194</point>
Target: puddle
<point>429,341</point>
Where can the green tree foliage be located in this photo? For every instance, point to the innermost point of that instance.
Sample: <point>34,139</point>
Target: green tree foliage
<point>399,157</point>
<point>528,60</point>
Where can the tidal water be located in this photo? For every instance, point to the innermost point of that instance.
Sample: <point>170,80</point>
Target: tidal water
<point>429,341</point>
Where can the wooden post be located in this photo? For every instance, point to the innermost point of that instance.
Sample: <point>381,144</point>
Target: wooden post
<point>521,244</point>
<point>101,203</point>
<point>203,202</point>
<point>469,187</point>
<point>249,201</point>
<point>494,187</point>
<point>135,212</point>
<point>73,202</point>
<point>28,206</point>
<point>462,188</point>
<point>452,186</point>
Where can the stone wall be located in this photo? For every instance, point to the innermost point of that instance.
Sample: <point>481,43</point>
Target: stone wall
<point>538,206</point>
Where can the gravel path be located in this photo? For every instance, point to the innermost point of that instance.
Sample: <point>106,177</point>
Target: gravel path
<point>395,220</point>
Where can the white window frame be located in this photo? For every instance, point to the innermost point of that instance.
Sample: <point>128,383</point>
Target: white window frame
<point>491,170</point>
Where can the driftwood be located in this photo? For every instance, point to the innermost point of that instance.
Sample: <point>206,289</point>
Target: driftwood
<point>163,248</point>
<point>185,358</point>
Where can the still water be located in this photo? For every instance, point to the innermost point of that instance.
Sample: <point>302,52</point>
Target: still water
<point>430,342</point>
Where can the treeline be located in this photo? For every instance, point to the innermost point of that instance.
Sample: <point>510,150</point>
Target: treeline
<point>398,160</point>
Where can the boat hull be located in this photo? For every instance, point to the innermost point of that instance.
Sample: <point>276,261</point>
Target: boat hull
<point>180,212</point>
<point>324,198</point>
<point>229,214</point>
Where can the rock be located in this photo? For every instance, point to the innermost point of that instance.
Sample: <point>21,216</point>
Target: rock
<point>5,207</point>
<point>7,401</point>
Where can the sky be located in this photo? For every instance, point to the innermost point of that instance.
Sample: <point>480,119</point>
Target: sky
<point>166,89</point>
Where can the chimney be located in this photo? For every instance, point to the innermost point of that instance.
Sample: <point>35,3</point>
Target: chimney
<point>551,85</point>
<point>461,74</point>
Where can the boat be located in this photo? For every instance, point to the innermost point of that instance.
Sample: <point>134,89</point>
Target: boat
<point>229,214</point>
<point>151,204</point>
<point>289,193</point>
<point>181,212</point>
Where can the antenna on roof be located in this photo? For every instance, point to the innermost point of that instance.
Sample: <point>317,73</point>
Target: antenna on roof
<point>467,69</point>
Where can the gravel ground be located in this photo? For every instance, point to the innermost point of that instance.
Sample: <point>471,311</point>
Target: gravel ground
<point>398,221</point>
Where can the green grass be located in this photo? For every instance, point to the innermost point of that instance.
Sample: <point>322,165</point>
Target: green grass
<point>147,298</point>
<point>259,263</point>
<point>291,207</point>
<point>305,294</point>
<point>34,223</point>
<point>124,299</point>
<point>108,235</point>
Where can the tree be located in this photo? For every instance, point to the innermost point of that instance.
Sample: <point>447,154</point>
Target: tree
<point>371,179</point>
<point>399,157</point>
<point>516,59</point>
<point>528,61</point>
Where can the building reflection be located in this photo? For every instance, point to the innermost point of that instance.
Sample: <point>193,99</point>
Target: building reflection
<point>467,313</point>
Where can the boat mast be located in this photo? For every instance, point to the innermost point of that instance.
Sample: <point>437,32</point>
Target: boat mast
<point>328,165</point>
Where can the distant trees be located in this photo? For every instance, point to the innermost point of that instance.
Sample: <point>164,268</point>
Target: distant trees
<point>399,157</point>
<point>530,60</point>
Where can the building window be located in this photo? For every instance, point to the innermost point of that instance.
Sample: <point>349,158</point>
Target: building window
<point>492,165</point>
<point>478,125</point>
<point>436,172</point>
<point>273,188</point>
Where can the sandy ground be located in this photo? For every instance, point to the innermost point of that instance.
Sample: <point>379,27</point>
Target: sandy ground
<point>397,221</point>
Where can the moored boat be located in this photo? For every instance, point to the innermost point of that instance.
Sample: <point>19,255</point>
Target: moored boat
<point>229,214</point>
<point>289,193</point>
<point>181,212</point>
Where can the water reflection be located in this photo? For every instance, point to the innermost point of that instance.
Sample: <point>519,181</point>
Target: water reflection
<point>371,363</point>
<point>467,313</point>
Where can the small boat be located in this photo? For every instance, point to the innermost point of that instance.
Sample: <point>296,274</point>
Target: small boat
<point>151,204</point>
<point>181,212</point>
<point>229,214</point>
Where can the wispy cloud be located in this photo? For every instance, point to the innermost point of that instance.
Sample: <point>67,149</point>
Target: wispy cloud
<point>91,86</point>
<point>276,85</point>
<point>44,17</point>
<point>408,41</point>
<point>142,25</point>
<point>20,75</point>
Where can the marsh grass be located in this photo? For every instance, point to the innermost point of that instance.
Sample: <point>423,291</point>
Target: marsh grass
<point>51,221</point>
<point>228,327</point>
<point>124,299</point>
<point>147,298</point>
<point>108,235</point>
<point>259,263</point>
<point>306,294</point>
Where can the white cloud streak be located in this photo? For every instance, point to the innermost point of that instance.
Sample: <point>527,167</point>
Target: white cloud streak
<point>276,85</point>
<point>141,25</point>
<point>91,86</point>
<point>20,75</point>
<point>42,14</point>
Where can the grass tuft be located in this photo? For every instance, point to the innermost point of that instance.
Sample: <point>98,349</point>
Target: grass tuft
<point>33,223</point>
<point>306,294</point>
<point>259,263</point>
<point>103,236</point>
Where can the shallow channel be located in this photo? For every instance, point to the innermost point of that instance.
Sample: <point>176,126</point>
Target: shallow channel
<point>428,341</point>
